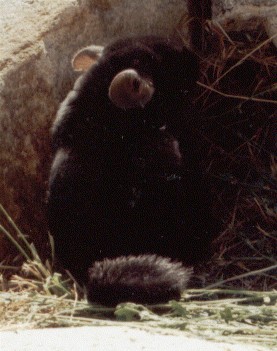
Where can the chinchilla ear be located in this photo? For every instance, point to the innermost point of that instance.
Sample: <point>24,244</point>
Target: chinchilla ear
<point>86,57</point>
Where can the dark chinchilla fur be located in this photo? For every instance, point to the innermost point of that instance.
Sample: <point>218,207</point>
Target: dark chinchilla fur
<point>124,188</point>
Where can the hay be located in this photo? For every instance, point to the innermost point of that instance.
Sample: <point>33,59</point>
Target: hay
<point>231,316</point>
<point>236,123</point>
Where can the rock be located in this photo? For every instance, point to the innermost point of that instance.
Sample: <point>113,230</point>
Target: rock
<point>40,38</point>
<point>237,15</point>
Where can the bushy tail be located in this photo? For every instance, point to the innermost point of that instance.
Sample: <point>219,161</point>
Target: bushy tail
<point>148,279</point>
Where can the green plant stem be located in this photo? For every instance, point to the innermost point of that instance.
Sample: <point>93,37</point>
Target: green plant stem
<point>19,248</point>
<point>15,227</point>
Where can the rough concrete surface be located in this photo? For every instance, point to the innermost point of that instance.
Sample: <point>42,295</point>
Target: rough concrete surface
<point>109,339</point>
<point>38,39</point>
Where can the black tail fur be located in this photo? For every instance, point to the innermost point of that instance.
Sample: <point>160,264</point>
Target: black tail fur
<point>141,279</point>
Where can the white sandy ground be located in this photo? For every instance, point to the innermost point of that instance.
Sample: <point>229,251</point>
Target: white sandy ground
<point>109,339</point>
